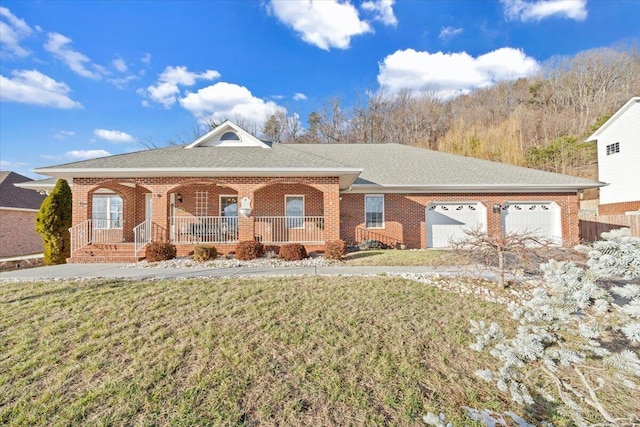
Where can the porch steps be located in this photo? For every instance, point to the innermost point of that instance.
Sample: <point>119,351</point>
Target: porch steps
<point>105,253</point>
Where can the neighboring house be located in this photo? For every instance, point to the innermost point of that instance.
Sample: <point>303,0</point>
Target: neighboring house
<point>618,142</point>
<point>18,210</point>
<point>228,186</point>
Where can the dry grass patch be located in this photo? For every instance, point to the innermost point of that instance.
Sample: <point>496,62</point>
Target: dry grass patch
<point>235,352</point>
<point>392,257</point>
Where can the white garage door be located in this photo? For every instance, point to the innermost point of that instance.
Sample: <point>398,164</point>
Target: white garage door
<point>448,221</point>
<point>540,218</point>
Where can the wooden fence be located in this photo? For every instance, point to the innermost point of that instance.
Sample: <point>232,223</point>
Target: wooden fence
<point>590,230</point>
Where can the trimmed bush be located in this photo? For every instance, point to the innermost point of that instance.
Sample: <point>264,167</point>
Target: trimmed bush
<point>53,222</point>
<point>336,249</point>
<point>292,252</point>
<point>204,253</point>
<point>249,249</point>
<point>160,251</point>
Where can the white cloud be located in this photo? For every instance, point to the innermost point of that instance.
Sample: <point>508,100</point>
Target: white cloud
<point>113,135</point>
<point>298,96</point>
<point>77,155</point>
<point>9,165</point>
<point>383,10</point>
<point>451,74</point>
<point>59,46</point>
<point>12,30</point>
<point>119,65</point>
<point>449,32</point>
<point>146,58</point>
<point>122,81</point>
<point>325,24</point>
<point>85,154</point>
<point>228,101</point>
<point>33,87</point>
<point>538,10</point>
<point>63,134</point>
<point>166,91</point>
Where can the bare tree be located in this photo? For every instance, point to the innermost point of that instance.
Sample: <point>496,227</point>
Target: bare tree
<point>501,253</point>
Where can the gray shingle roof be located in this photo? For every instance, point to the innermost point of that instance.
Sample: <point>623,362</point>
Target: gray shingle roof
<point>382,165</point>
<point>402,165</point>
<point>17,198</point>
<point>279,156</point>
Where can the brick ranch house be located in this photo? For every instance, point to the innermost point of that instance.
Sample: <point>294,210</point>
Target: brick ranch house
<point>229,186</point>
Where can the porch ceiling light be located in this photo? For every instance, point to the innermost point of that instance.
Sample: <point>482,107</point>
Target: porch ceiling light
<point>179,197</point>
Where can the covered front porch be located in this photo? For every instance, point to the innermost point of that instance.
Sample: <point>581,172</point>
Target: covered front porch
<point>115,220</point>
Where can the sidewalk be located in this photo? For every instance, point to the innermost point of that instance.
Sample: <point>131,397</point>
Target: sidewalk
<point>68,271</point>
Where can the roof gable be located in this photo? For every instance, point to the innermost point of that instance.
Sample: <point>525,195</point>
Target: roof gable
<point>227,134</point>
<point>626,107</point>
<point>17,198</point>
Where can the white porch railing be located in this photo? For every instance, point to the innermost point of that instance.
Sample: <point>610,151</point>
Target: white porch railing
<point>141,235</point>
<point>289,229</point>
<point>81,235</point>
<point>204,229</point>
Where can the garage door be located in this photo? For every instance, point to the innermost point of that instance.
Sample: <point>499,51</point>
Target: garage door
<point>448,221</point>
<point>540,218</point>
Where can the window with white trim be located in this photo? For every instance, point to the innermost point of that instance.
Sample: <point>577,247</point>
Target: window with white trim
<point>202,203</point>
<point>107,211</point>
<point>229,206</point>
<point>613,148</point>
<point>374,211</point>
<point>294,211</point>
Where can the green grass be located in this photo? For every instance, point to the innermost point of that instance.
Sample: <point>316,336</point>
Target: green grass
<point>236,352</point>
<point>392,257</point>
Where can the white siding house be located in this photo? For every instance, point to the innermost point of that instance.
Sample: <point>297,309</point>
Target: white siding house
<point>618,142</point>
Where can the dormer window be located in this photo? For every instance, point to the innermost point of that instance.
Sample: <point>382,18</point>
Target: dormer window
<point>229,136</point>
<point>613,148</point>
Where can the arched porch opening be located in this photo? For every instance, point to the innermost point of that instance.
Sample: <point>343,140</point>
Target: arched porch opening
<point>203,211</point>
<point>287,212</point>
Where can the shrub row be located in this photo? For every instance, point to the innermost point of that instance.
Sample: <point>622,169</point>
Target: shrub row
<point>246,250</point>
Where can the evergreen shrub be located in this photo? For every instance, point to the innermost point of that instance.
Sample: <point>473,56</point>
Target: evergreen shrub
<point>160,251</point>
<point>249,249</point>
<point>203,253</point>
<point>336,249</point>
<point>292,252</point>
<point>53,222</point>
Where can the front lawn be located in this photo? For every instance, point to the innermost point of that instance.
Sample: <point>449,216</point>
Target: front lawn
<point>393,257</point>
<point>239,352</point>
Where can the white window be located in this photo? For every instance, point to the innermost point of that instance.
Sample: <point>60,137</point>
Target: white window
<point>613,148</point>
<point>107,211</point>
<point>374,211</point>
<point>294,211</point>
<point>229,206</point>
<point>202,203</point>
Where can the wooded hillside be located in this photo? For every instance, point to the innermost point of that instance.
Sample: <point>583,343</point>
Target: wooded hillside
<point>539,122</point>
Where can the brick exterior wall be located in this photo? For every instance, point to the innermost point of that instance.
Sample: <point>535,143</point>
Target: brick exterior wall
<point>618,208</point>
<point>266,194</point>
<point>17,233</point>
<point>405,214</point>
<point>343,214</point>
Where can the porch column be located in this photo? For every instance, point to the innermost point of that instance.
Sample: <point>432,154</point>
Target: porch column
<point>331,212</point>
<point>246,226</point>
<point>160,215</point>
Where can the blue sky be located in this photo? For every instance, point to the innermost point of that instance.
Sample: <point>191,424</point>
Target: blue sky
<point>84,79</point>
